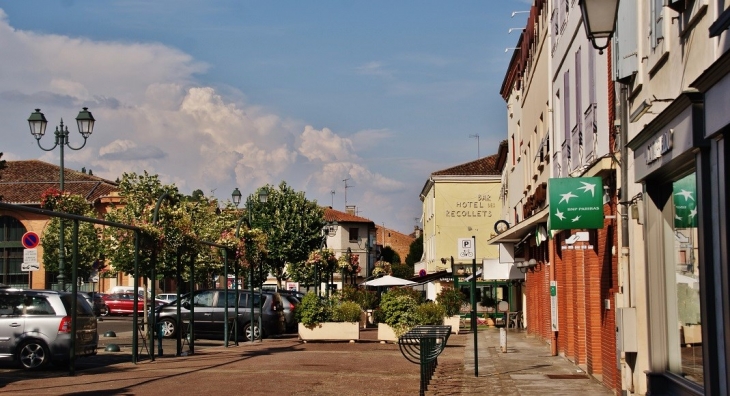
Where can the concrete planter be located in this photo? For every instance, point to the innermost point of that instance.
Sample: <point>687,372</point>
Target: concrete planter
<point>331,331</point>
<point>386,333</point>
<point>454,322</point>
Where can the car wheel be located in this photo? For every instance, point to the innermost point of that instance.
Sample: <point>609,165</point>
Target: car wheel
<point>33,355</point>
<point>247,331</point>
<point>168,327</point>
<point>104,310</point>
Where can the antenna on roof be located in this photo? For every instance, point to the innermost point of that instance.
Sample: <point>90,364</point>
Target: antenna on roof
<point>346,187</point>
<point>476,135</point>
<point>333,198</point>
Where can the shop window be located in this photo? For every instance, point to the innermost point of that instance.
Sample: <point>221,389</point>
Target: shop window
<point>685,322</point>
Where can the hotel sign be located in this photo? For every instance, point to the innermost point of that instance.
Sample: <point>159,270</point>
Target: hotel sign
<point>660,146</point>
<point>575,203</point>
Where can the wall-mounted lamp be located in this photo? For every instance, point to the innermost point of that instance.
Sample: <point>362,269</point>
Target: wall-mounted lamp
<point>599,20</point>
<point>511,29</point>
<point>642,109</point>
<point>606,194</point>
<point>511,48</point>
<point>518,12</point>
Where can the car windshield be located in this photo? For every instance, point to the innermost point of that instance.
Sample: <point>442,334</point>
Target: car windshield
<point>82,307</point>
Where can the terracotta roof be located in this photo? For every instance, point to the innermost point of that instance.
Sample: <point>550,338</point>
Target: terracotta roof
<point>342,217</point>
<point>482,166</point>
<point>23,182</point>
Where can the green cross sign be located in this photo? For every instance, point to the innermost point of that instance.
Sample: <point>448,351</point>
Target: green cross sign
<point>575,203</point>
<point>685,205</point>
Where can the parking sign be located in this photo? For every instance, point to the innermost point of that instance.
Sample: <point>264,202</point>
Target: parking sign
<point>466,248</point>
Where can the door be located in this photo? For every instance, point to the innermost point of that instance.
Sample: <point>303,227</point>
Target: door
<point>204,312</point>
<point>12,322</point>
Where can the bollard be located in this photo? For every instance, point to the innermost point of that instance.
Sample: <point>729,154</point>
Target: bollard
<point>503,339</point>
<point>159,338</point>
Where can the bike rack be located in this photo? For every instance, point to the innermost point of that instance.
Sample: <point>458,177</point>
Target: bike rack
<point>422,345</point>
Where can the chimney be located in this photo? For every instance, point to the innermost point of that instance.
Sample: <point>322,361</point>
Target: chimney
<point>350,209</point>
<point>416,231</point>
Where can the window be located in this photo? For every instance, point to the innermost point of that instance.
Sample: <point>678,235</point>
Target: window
<point>204,299</point>
<point>11,253</point>
<point>231,299</point>
<point>354,234</point>
<point>657,22</point>
<point>11,305</point>
<point>36,305</point>
<point>683,283</point>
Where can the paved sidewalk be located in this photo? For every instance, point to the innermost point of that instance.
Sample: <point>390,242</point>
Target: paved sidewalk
<point>286,366</point>
<point>525,369</point>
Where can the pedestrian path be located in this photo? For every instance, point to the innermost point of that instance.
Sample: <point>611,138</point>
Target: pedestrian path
<point>527,368</point>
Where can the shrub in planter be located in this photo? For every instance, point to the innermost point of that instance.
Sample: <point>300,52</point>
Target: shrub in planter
<point>313,310</point>
<point>347,311</point>
<point>399,311</point>
<point>451,299</point>
<point>430,314</point>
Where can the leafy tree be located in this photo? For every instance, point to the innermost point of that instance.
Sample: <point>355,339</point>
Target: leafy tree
<point>415,252</point>
<point>292,224</point>
<point>404,271</point>
<point>388,254</point>
<point>89,245</point>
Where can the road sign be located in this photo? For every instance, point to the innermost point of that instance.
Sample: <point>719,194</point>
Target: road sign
<point>30,267</point>
<point>30,240</point>
<point>466,248</point>
<point>94,277</point>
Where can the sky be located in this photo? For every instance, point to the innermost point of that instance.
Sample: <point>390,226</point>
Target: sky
<point>214,95</point>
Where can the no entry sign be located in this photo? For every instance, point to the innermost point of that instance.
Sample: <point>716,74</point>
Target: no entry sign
<point>30,240</point>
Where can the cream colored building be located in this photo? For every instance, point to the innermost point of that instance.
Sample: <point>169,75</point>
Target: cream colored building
<point>460,202</point>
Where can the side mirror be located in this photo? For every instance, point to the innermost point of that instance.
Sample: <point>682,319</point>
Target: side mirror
<point>186,305</point>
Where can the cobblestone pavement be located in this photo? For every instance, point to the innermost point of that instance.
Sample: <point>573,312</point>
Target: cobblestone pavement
<point>286,366</point>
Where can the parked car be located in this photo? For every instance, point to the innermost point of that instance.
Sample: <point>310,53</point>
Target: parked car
<point>35,327</point>
<point>290,303</point>
<point>96,300</point>
<point>167,297</point>
<point>123,303</point>
<point>210,312</point>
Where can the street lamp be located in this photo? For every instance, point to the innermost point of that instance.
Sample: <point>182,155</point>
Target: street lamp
<point>236,198</point>
<point>599,20</point>
<point>37,122</point>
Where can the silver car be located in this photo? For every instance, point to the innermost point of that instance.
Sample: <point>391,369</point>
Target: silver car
<point>35,327</point>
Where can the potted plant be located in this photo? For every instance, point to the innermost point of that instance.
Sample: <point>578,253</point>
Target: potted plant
<point>451,299</point>
<point>328,319</point>
<point>398,311</point>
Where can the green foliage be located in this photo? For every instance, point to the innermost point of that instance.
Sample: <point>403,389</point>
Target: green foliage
<point>346,311</point>
<point>388,254</point>
<point>451,299</point>
<point>415,252</point>
<point>398,310</point>
<point>89,245</point>
<point>364,298</point>
<point>313,310</point>
<point>403,271</point>
<point>430,313</point>
<point>407,291</point>
<point>293,226</point>
<point>487,301</point>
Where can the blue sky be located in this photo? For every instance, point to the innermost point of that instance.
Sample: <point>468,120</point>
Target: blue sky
<point>222,94</point>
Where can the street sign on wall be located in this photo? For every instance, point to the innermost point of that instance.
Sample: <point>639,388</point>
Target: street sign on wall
<point>466,248</point>
<point>30,240</point>
<point>575,203</point>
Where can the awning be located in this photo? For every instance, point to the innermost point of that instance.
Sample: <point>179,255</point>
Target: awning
<point>521,230</point>
<point>431,277</point>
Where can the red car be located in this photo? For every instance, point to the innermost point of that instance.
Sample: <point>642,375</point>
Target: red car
<point>123,303</point>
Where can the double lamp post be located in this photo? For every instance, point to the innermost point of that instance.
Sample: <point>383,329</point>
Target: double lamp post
<point>38,123</point>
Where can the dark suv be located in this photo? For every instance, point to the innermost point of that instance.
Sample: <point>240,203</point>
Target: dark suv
<point>210,312</point>
<point>35,326</point>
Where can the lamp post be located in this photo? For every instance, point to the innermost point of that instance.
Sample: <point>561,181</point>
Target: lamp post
<point>37,122</point>
<point>599,20</point>
<point>236,197</point>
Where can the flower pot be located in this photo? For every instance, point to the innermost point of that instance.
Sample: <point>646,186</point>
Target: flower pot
<point>331,331</point>
<point>386,333</point>
<point>454,322</point>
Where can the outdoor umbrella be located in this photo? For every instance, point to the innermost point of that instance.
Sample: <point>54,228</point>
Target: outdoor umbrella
<point>388,280</point>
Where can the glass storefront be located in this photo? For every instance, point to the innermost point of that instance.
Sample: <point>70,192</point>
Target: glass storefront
<point>683,269</point>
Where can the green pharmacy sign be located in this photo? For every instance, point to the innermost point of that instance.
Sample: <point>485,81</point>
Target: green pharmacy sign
<point>685,205</point>
<point>575,203</point>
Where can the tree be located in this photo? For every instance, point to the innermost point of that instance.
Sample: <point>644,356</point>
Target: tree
<point>415,252</point>
<point>388,254</point>
<point>404,271</point>
<point>292,224</point>
<point>89,245</point>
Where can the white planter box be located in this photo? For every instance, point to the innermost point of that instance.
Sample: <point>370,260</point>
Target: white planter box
<point>331,331</point>
<point>386,333</point>
<point>692,334</point>
<point>454,322</point>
